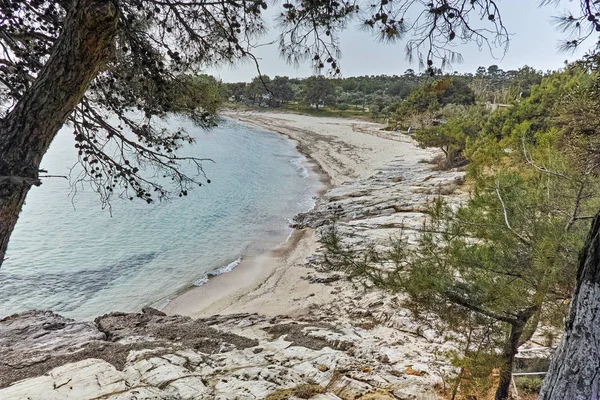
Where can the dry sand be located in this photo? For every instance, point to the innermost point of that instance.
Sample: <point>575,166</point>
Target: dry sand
<point>275,283</point>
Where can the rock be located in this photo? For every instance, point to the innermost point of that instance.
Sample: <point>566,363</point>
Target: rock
<point>29,340</point>
<point>326,396</point>
<point>127,328</point>
<point>348,388</point>
<point>153,311</point>
<point>85,379</point>
<point>343,359</point>
<point>411,371</point>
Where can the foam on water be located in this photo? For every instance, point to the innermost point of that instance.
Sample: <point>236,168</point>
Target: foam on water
<point>81,262</point>
<point>300,164</point>
<point>223,270</point>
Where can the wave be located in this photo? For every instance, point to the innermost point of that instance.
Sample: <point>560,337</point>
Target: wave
<point>219,271</point>
<point>300,168</point>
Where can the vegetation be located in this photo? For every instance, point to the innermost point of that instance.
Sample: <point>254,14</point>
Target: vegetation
<point>194,92</point>
<point>399,100</point>
<point>318,90</point>
<point>495,268</point>
<point>303,391</point>
<point>443,111</point>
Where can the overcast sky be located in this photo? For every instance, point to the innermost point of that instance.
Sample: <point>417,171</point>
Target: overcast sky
<point>534,42</point>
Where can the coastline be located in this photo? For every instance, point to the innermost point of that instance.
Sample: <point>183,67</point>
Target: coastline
<point>307,325</point>
<point>277,282</point>
<point>242,288</point>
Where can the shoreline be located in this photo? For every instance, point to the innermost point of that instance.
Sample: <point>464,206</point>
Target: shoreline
<point>314,164</point>
<point>253,271</point>
<point>277,282</point>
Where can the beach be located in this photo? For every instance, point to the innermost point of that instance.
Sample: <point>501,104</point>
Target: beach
<point>343,152</point>
<point>277,319</point>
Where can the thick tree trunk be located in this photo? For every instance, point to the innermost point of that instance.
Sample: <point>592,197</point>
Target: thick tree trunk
<point>574,373</point>
<point>508,356</point>
<point>85,44</point>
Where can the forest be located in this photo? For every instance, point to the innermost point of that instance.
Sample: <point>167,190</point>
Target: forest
<point>382,97</point>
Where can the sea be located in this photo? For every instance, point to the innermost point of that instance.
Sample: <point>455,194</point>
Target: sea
<point>70,255</point>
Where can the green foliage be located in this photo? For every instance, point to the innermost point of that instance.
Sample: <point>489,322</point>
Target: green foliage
<point>511,247</point>
<point>199,93</point>
<point>498,86</point>
<point>324,111</point>
<point>453,135</point>
<point>318,90</point>
<point>256,89</point>
<point>454,91</point>
<point>398,96</point>
<point>529,384</point>
<point>539,108</point>
<point>281,89</point>
<point>235,90</point>
<point>431,97</point>
<point>424,99</point>
<point>505,260</point>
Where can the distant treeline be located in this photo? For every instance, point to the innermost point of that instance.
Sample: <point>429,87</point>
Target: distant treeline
<point>383,97</point>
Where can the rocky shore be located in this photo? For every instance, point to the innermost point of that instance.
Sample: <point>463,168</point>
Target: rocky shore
<point>291,331</point>
<point>246,356</point>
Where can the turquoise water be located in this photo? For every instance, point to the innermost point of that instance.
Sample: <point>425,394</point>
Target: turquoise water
<point>72,257</point>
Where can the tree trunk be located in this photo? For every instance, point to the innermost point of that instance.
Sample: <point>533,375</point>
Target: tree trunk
<point>85,44</point>
<point>508,357</point>
<point>574,372</point>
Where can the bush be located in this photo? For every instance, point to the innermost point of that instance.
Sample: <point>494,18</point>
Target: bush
<point>529,384</point>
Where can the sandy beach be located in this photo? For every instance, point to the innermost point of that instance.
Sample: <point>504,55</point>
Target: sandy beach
<point>276,282</point>
<point>277,319</point>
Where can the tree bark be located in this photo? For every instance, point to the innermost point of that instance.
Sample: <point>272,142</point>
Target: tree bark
<point>574,372</point>
<point>508,356</point>
<point>84,46</point>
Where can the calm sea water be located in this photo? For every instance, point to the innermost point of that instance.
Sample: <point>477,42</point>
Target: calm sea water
<point>75,259</point>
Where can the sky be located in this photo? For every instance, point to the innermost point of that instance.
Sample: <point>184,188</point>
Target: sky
<point>534,42</point>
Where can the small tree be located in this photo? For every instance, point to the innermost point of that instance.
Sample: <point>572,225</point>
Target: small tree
<point>236,90</point>
<point>281,88</point>
<point>195,92</point>
<point>318,90</point>
<point>453,135</point>
<point>258,87</point>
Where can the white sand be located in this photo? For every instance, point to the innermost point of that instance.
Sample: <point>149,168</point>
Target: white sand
<point>273,283</point>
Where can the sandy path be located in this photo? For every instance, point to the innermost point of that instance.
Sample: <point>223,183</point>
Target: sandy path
<point>276,283</point>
